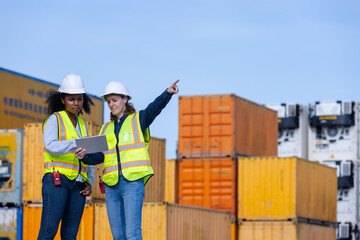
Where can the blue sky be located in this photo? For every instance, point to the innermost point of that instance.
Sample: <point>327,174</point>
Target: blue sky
<point>264,51</point>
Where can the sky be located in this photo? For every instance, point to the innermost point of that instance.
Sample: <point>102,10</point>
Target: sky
<point>263,51</point>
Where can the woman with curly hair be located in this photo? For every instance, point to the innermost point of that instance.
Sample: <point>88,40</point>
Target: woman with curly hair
<point>66,180</point>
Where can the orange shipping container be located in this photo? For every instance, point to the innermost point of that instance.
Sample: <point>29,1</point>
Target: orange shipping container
<point>286,188</point>
<point>225,125</point>
<point>208,182</point>
<point>32,220</point>
<point>284,230</point>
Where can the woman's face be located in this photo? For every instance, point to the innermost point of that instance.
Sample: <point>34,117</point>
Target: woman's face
<point>73,103</point>
<point>116,104</point>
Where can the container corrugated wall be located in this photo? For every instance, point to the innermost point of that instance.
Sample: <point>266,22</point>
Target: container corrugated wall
<point>11,166</point>
<point>225,125</point>
<point>234,230</point>
<point>33,163</point>
<point>171,181</point>
<point>101,224</point>
<point>286,188</point>
<point>96,194</point>
<point>284,230</point>
<point>164,221</point>
<point>208,182</point>
<point>11,223</point>
<point>32,221</point>
<point>155,188</point>
<point>176,222</point>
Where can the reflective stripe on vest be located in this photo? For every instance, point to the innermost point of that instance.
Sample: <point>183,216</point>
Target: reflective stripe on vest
<point>126,147</point>
<point>65,165</point>
<point>110,169</point>
<point>136,164</point>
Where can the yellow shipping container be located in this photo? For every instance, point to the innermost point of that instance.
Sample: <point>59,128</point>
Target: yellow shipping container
<point>284,230</point>
<point>171,181</point>
<point>23,100</point>
<point>33,167</point>
<point>164,221</point>
<point>32,220</point>
<point>234,230</point>
<point>101,223</point>
<point>272,188</point>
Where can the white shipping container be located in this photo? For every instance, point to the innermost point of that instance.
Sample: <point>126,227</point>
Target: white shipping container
<point>333,131</point>
<point>292,130</point>
<point>334,141</point>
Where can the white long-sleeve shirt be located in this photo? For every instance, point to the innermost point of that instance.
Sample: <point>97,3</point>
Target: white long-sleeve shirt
<point>56,147</point>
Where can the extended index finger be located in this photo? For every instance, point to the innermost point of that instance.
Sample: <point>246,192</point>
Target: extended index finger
<point>176,82</point>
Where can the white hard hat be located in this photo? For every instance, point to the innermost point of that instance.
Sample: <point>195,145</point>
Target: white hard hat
<point>115,88</point>
<point>72,84</point>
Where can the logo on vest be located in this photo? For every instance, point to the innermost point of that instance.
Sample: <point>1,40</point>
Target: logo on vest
<point>126,136</point>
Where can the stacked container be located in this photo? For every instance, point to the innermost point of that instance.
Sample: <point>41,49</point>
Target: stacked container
<point>168,221</point>
<point>334,141</point>
<point>213,131</point>
<point>286,198</point>
<point>10,183</point>
<point>293,129</point>
<point>32,173</point>
<point>33,170</point>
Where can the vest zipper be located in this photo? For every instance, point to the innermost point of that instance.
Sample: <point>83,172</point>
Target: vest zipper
<point>118,158</point>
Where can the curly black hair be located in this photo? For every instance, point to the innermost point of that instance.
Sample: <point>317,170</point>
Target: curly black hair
<point>55,104</point>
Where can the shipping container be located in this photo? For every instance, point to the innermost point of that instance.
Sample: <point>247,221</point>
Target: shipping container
<point>11,223</point>
<point>225,125</point>
<point>10,166</point>
<point>33,166</point>
<point>101,222</point>
<point>208,182</point>
<point>174,222</point>
<point>164,221</point>
<point>96,194</point>
<point>284,230</point>
<point>155,187</point>
<point>32,222</point>
<point>171,181</point>
<point>274,188</point>
<point>234,230</point>
<point>23,100</point>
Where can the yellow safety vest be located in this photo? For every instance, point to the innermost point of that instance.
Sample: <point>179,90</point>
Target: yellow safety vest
<point>66,164</point>
<point>133,151</point>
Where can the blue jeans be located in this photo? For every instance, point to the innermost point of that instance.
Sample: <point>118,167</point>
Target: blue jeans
<point>63,202</point>
<point>124,206</point>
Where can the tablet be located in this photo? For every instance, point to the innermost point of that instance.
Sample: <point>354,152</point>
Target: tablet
<point>92,144</point>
